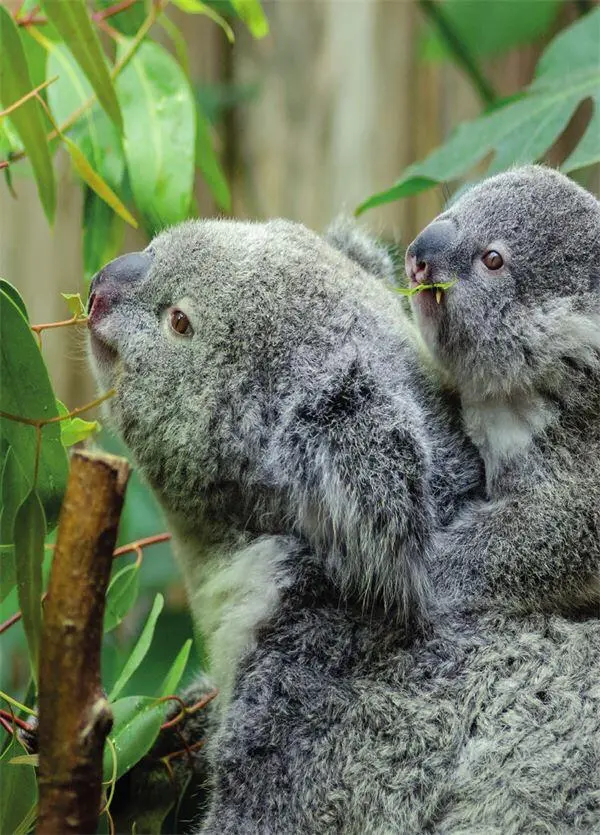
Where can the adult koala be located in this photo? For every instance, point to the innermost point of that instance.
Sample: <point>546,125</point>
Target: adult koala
<point>271,391</point>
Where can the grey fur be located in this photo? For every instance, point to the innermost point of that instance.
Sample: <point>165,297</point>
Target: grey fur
<point>307,462</point>
<point>522,345</point>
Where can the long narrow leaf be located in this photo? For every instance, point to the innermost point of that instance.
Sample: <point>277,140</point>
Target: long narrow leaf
<point>136,723</point>
<point>251,12</point>
<point>140,649</point>
<point>198,7</point>
<point>121,595</point>
<point>173,677</point>
<point>13,489</point>
<point>30,528</point>
<point>19,790</point>
<point>96,183</point>
<point>73,23</point>
<point>28,120</point>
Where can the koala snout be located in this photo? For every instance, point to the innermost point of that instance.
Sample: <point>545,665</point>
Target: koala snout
<point>126,268</point>
<point>429,250</point>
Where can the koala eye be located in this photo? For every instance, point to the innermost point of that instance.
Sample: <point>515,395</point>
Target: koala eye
<point>492,260</point>
<point>180,322</point>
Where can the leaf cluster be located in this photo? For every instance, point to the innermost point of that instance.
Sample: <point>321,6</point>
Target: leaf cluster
<point>129,120</point>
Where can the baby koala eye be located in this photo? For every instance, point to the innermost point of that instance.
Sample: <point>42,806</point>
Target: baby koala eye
<point>180,322</point>
<point>492,259</point>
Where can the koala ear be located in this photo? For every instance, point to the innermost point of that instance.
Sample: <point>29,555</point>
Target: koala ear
<point>357,245</point>
<point>355,477</point>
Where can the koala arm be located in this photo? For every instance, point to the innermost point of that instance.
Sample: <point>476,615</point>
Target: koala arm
<point>534,550</point>
<point>356,466</point>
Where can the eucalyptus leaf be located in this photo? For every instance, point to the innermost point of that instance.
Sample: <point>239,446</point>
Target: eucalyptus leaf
<point>198,7</point>
<point>173,677</point>
<point>418,288</point>
<point>121,595</point>
<point>160,133</point>
<point>72,21</point>
<point>521,131</point>
<point>129,19</point>
<point>74,430</point>
<point>136,724</point>
<point>103,233</point>
<point>140,649</point>
<point>28,119</point>
<point>491,27</point>
<point>14,296</point>
<point>26,392</point>
<point>93,133</point>
<point>13,489</point>
<point>19,791</point>
<point>251,12</point>
<point>96,183</point>
<point>75,305</point>
<point>29,532</point>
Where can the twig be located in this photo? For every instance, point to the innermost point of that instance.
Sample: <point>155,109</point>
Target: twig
<point>30,95</point>
<point>9,716</point>
<point>39,422</point>
<point>132,547</point>
<point>102,14</point>
<point>460,51</point>
<point>75,717</point>
<point>141,543</point>
<point>76,320</point>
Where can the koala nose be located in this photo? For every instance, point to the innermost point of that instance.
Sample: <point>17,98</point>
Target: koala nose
<point>429,248</point>
<point>125,269</point>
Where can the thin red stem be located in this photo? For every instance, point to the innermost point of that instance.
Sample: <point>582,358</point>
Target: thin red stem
<point>102,14</point>
<point>133,547</point>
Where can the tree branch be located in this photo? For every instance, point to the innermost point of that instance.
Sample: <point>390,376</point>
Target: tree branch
<point>74,714</point>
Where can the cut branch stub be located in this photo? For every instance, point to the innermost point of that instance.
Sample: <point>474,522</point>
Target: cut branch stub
<point>74,715</point>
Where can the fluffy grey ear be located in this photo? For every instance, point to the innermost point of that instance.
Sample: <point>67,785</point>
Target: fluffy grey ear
<point>347,237</point>
<point>355,473</point>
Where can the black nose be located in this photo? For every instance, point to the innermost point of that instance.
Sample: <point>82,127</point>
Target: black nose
<point>126,268</point>
<point>433,243</point>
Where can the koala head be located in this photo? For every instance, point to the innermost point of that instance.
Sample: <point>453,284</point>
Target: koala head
<point>523,249</point>
<point>259,385</point>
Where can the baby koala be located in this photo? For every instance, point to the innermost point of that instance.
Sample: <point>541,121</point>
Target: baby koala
<point>519,336</point>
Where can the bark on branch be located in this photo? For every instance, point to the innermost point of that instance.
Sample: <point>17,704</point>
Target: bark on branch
<point>74,715</point>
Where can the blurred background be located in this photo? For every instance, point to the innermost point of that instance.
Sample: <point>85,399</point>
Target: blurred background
<point>330,107</point>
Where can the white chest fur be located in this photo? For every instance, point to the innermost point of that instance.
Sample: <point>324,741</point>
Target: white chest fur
<point>232,592</point>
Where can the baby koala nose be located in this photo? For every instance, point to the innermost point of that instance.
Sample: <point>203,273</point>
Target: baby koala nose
<point>429,249</point>
<point>417,271</point>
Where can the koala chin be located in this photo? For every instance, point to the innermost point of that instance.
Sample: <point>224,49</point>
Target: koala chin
<point>276,398</point>
<point>519,334</point>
